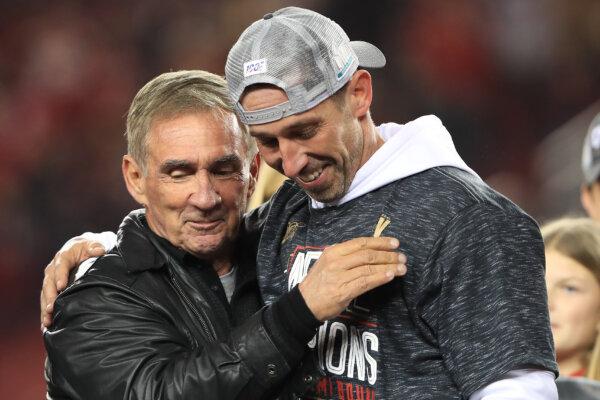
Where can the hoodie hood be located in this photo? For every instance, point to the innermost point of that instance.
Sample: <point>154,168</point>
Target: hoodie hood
<point>407,150</point>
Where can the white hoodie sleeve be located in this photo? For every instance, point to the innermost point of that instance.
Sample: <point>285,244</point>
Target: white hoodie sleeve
<point>522,384</point>
<point>107,239</point>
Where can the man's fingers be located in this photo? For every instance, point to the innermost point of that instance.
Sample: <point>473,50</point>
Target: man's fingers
<point>56,274</point>
<point>47,296</point>
<point>367,257</point>
<point>364,271</point>
<point>68,258</point>
<point>374,257</point>
<point>95,249</point>
<point>49,293</point>
<point>62,266</point>
<point>364,243</point>
<point>42,308</point>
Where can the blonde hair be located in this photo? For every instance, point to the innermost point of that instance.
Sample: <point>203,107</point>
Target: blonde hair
<point>174,93</point>
<point>593,370</point>
<point>579,239</point>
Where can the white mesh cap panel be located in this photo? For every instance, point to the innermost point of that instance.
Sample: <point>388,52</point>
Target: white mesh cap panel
<point>300,51</point>
<point>590,159</point>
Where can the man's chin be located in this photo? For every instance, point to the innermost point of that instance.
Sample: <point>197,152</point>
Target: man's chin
<point>328,195</point>
<point>331,189</point>
<point>206,247</point>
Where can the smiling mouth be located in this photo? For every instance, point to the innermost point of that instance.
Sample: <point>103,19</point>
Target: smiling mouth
<point>308,178</point>
<point>204,225</point>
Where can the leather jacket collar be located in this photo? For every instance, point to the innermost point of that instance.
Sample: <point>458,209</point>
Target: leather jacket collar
<point>135,246</point>
<point>138,248</point>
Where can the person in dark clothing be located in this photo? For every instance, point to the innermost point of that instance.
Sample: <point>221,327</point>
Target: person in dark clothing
<point>469,319</point>
<point>173,311</point>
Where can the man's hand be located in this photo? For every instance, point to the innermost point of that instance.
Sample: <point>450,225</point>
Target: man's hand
<point>347,270</point>
<point>56,274</point>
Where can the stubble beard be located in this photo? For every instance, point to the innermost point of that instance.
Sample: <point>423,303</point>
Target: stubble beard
<point>342,179</point>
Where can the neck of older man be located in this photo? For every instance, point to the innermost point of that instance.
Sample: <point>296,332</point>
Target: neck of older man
<point>220,260</point>
<point>222,267</point>
<point>222,264</point>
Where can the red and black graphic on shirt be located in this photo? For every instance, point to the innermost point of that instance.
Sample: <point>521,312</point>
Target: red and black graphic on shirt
<point>347,347</point>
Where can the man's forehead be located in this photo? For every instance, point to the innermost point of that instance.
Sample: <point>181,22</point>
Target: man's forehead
<point>292,122</point>
<point>262,96</point>
<point>196,132</point>
<point>212,124</point>
<point>287,125</point>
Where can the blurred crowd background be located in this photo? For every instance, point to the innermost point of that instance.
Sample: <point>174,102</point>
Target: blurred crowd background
<point>516,82</point>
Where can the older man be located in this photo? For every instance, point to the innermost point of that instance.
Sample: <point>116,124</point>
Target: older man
<point>173,311</point>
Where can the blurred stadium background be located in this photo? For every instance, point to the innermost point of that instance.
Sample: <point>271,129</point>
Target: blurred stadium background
<point>515,81</point>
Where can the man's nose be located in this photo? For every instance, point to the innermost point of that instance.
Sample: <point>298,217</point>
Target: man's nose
<point>293,159</point>
<point>205,195</point>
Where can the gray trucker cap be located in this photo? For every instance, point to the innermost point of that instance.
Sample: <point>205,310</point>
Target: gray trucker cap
<point>300,51</point>
<point>590,158</point>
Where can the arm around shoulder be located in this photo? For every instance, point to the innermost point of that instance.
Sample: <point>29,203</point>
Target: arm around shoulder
<point>107,342</point>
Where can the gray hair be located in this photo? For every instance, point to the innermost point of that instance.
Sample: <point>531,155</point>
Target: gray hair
<point>174,93</point>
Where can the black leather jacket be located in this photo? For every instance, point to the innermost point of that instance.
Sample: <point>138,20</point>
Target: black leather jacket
<point>137,326</point>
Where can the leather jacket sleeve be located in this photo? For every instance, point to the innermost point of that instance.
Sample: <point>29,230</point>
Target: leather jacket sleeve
<point>111,343</point>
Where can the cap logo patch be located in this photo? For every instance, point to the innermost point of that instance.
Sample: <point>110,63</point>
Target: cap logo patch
<point>255,67</point>
<point>344,70</point>
<point>595,138</point>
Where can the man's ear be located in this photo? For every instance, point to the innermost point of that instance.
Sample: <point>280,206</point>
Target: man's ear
<point>360,93</point>
<point>254,168</point>
<point>134,179</point>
